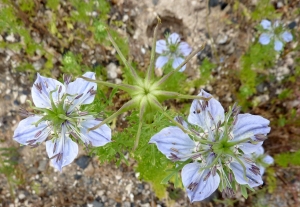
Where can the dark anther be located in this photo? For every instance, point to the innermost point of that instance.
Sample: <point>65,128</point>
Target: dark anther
<point>23,112</point>
<point>174,157</point>
<point>192,186</point>
<point>210,116</point>
<point>174,149</point>
<point>38,134</point>
<point>54,148</point>
<point>46,84</point>
<point>227,193</point>
<point>207,176</point>
<point>179,119</point>
<point>92,92</point>
<point>67,78</point>
<point>214,171</point>
<point>260,137</point>
<point>59,90</point>
<point>30,142</point>
<point>83,113</point>
<point>38,86</point>
<point>255,170</point>
<point>77,97</point>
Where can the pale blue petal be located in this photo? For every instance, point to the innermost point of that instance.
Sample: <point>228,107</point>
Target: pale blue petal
<point>26,131</point>
<point>266,24</point>
<point>201,117</point>
<point>97,137</point>
<point>259,151</point>
<point>161,61</point>
<point>265,38</point>
<point>174,38</point>
<point>41,96</point>
<point>205,186</point>
<point>247,126</point>
<point>250,178</point>
<point>176,62</point>
<point>287,36</point>
<point>184,48</point>
<point>278,45</point>
<point>161,46</point>
<point>268,160</point>
<point>81,86</point>
<point>172,140</point>
<point>249,148</point>
<point>64,146</point>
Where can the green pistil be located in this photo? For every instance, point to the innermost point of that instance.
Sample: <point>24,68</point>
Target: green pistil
<point>173,48</point>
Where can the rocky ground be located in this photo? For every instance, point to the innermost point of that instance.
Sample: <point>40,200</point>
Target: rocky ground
<point>88,183</point>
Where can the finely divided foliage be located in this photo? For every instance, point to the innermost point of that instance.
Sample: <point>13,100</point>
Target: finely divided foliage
<point>219,146</point>
<point>58,118</point>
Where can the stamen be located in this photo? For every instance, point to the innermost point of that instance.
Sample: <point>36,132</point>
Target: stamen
<point>214,171</point>
<point>255,170</point>
<point>192,186</point>
<point>174,149</point>
<point>24,113</point>
<point>38,86</point>
<point>67,78</point>
<point>174,157</point>
<point>227,193</point>
<point>230,177</point>
<point>83,113</point>
<point>179,119</point>
<point>30,142</point>
<point>260,137</point>
<point>210,116</point>
<point>38,134</point>
<point>92,92</point>
<point>79,96</point>
<point>54,148</point>
<point>60,88</point>
<point>46,84</point>
<point>207,176</point>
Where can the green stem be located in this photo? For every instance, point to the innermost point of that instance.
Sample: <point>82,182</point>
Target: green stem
<point>124,108</point>
<point>152,60</point>
<point>133,73</point>
<point>136,143</point>
<point>182,96</point>
<point>122,86</point>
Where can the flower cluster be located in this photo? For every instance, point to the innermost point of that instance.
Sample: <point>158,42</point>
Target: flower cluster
<point>220,146</point>
<point>59,119</point>
<point>271,34</point>
<point>173,50</point>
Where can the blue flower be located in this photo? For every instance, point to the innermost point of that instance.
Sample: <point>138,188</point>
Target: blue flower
<point>270,35</point>
<point>173,50</point>
<point>219,146</point>
<point>59,119</point>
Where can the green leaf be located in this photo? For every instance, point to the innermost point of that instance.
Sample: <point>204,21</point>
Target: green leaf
<point>244,191</point>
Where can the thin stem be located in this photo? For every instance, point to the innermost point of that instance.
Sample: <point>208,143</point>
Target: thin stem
<point>124,108</point>
<point>163,79</point>
<point>134,74</point>
<point>136,143</point>
<point>178,95</point>
<point>122,86</point>
<point>152,60</point>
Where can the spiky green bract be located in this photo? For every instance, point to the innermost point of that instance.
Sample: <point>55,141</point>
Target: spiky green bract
<point>146,93</point>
